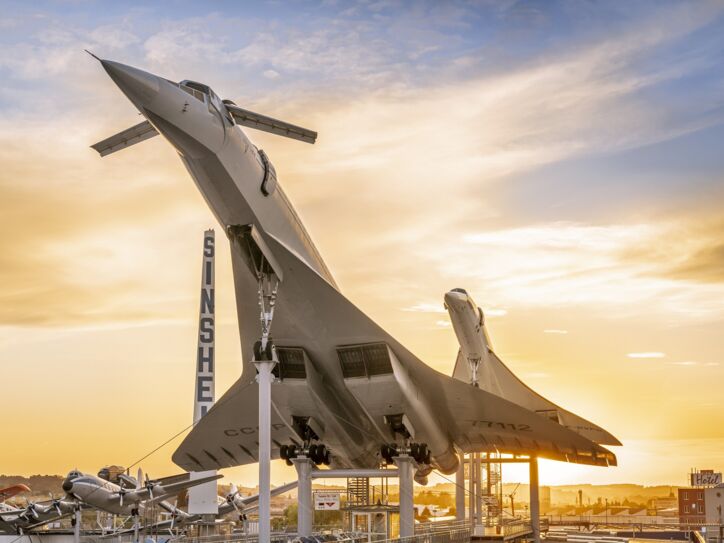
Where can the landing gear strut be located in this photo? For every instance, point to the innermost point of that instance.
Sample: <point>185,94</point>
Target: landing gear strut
<point>265,358</point>
<point>311,447</point>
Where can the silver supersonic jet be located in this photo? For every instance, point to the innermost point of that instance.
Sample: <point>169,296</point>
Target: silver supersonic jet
<point>347,394</point>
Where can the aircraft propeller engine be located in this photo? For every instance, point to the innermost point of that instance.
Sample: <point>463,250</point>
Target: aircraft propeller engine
<point>55,504</point>
<point>149,484</point>
<point>30,511</point>
<point>231,497</point>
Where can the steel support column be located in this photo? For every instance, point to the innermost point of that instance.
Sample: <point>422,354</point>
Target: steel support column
<point>479,490</point>
<point>460,490</point>
<point>264,378</point>
<point>534,499</point>
<point>471,490</point>
<point>405,465</point>
<point>76,525</point>
<point>305,510</point>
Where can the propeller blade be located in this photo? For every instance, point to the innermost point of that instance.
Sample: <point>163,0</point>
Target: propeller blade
<point>139,478</point>
<point>149,486</point>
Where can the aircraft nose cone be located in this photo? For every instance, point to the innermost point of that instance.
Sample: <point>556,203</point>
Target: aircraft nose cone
<point>67,485</point>
<point>455,297</point>
<point>140,87</point>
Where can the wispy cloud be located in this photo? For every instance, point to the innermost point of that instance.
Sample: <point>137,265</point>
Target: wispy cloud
<point>647,354</point>
<point>426,307</point>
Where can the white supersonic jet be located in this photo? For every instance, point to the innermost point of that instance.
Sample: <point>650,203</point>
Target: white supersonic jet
<point>347,393</point>
<point>478,365</point>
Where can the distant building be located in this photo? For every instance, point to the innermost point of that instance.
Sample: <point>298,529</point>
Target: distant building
<point>661,504</point>
<point>714,505</point>
<point>692,508</point>
<point>692,501</point>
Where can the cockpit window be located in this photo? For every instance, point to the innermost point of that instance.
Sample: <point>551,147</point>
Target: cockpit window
<point>193,92</point>
<point>204,89</point>
<point>201,91</point>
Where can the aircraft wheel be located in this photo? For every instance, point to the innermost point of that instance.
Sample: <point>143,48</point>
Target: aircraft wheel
<point>385,452</point>
<point>321,453</point>
<point>312,453</point>
<point>289,462</point>
<point>265,354</point>
<point>422,453</point>
<point>327,458</point>
<point>415,451</point>
<point>284,452</point>
<point>292,451</point>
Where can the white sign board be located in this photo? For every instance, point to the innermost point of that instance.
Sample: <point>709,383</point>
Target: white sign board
<point>705,478</point>
<point>326,501</point>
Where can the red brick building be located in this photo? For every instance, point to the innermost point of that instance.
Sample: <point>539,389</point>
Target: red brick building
<point>692,506</point>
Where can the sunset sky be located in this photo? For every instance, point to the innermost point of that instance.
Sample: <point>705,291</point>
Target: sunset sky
<point>562,161</point>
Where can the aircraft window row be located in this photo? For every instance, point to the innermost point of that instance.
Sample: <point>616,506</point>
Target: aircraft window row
<point>365,360</point>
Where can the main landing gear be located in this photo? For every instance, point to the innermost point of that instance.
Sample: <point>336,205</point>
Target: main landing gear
<point>317,453</point>
<point>418,451</point>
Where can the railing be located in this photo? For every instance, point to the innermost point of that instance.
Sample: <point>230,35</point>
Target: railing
<point>278,537</point>
<point>557,520</point>
<point>516,528</point>
<point>457,532</point>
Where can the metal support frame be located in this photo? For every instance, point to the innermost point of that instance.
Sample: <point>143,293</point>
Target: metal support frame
<point>460,490</point>
<point>471,491</point>
<point>345,473</point>
<point>268,287</point>
<point>406,466</point>
<point>305,511</point>
<point>479,490</point>
<point>264,378</point>
<point>534,499</point>
<point>76,525</point>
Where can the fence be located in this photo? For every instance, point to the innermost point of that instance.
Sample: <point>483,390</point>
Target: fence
<point>434,532</point>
